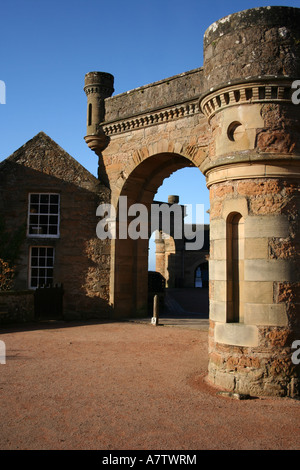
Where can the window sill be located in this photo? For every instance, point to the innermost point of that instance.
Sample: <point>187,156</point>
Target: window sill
<point>39,235</point>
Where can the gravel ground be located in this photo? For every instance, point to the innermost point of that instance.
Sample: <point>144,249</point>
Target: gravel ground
<point>127,386</point>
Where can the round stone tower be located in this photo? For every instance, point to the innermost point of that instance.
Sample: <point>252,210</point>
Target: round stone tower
<point>97,86</point>
<point>251,63</point>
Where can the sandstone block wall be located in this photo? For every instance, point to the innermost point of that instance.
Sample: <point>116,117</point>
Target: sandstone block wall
<point>82,261</point>
<point>16,306</point>
<point>270,287</point>
<point>253,174</point>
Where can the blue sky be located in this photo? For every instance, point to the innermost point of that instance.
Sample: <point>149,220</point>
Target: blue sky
<point>48,46</point>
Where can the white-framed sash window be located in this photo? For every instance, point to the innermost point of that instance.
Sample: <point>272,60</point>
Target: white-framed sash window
<point>41,264</point>
<point>43,215</point>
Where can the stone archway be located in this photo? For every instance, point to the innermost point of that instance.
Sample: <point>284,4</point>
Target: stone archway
<point>129,268</point>
<point>236,120</point>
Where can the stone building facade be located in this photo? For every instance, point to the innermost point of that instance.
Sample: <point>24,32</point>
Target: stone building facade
<point>234,119</point>
<point>52,199</point>
<point>179,266</point>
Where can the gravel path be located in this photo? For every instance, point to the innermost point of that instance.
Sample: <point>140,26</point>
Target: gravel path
<point>127,386</point>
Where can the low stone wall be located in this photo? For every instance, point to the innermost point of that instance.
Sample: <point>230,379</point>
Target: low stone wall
<point>16,306</point>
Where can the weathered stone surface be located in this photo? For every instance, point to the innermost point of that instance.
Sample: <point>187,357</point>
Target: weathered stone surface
<point>82,261</point>
<point>250,43</point>
<point>268,199</point>
<point>16,306</point>
<point>163,94</point>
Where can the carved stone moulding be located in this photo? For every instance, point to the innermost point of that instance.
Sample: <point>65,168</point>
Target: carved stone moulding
<point>259,90</point>
<point>97,143</point>
<point>151,118</point>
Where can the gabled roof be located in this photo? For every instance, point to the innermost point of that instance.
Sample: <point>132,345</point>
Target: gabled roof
<point>42,154</point>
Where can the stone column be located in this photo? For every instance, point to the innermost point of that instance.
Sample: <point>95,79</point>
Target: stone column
<point>160,254</point>
<point>251,59</point>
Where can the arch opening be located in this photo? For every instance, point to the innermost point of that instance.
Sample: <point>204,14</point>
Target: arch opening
<point>201,276</point>
<point>129,279</point>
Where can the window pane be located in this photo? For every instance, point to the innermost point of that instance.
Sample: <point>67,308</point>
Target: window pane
<point>53,219</point>
<point>52,230</point>
<point>44,198</point>
<point>44,209</point>
<point>50,252</point>
<point>53,209</point>
<point>34,261</point>
<point>41,281</point>
<point>34,208</point>
<point>42,251</point>
<point>49,273</point>
<point>44,219</point>
<point>34,198</point>
<point>54,198</point>
<point>33,219</point>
